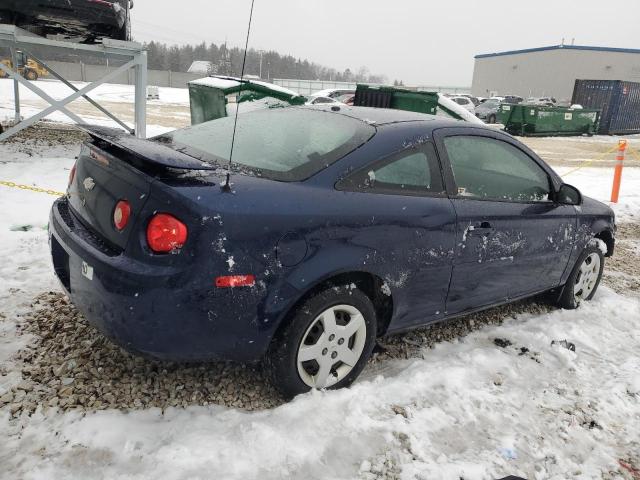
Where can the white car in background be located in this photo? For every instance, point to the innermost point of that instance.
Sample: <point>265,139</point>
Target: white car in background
<point>339,94</point>
<point>322,100</point>
<point>465,102</point>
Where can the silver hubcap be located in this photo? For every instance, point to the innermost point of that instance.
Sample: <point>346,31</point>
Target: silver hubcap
<point>587,277</point>
<point>331,346</point>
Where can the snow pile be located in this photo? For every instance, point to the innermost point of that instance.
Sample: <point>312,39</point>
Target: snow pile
<point>596,183</point>
<point>104,93</point>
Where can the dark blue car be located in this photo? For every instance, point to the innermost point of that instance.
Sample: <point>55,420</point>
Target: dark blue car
<point>334,226</point>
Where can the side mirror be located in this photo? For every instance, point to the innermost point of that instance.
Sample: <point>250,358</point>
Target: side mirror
<point>568,195</point>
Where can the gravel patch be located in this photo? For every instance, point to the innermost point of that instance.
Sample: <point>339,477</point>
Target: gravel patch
<point>70,365</point>
<point>44,133</point>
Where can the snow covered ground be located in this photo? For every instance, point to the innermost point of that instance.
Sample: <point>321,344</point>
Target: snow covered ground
<point>467,409</point>
<point>170,112</point>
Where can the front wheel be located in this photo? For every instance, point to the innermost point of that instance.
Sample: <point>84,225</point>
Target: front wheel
<point>326,343</point>
<point>584,279</point>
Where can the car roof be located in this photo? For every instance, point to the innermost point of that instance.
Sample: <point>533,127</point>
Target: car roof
<point>384,116</point>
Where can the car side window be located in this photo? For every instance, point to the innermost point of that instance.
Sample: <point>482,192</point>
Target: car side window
<point>491,169</point>
<point>413,171</point>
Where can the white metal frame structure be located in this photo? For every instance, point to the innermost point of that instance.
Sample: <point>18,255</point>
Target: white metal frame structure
<point>131,52</point>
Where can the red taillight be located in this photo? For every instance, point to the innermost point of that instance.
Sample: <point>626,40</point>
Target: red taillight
<point>166,233</point>
<point>121,214</point>
<point>231,281</point>
<point>72,175</point>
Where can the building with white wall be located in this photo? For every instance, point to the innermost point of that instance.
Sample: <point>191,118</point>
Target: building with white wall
<point>551,71</point>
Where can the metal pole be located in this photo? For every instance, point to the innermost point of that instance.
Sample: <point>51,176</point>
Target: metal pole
<point>16,86</point>
<point>86,97</point>
<point>141,95</point>
<point>617,175</point>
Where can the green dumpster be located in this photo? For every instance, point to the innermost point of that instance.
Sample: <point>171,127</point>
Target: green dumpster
<point>535,120</point>
<point>217,97</point>
<point>401,99</point>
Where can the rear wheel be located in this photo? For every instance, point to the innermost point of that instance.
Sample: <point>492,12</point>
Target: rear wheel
<point>326,344</point>
<point>584,279</point>
<point>491,119</point>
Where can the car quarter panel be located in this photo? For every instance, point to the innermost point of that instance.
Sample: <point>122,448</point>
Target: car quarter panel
<point>304,233</point>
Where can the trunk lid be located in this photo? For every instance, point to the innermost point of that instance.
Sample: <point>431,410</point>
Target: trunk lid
<point>116,166</point>
<point>100,182</point>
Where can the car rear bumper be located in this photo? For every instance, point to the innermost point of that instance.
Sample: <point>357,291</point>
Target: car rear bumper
<point>78,11</point>
<point>156,311</point>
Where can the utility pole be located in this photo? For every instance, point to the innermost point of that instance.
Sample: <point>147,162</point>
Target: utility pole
<point>261,53</point>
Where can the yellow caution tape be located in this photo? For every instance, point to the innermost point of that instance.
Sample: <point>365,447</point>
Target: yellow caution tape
<point>633,152</point>
<point>31,188</point>
<point>588,162</point>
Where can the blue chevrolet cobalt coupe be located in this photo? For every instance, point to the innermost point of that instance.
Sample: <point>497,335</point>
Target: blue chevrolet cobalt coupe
<point>331,226</point>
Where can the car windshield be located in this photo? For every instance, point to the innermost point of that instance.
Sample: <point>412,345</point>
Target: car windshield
<point>491,103</point>
<point>286,144</point>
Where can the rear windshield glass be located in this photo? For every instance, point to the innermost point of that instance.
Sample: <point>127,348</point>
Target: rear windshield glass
<point>288,144</point>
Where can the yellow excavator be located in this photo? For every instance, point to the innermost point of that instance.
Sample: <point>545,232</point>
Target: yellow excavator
<point>27,67</point>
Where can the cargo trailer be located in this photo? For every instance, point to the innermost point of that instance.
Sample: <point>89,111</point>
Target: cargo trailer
<point>618,100</point>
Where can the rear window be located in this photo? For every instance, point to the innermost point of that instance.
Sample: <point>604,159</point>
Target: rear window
<point>287,144</point>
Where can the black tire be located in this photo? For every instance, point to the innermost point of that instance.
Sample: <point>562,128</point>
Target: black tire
<point>568,299</point>
<point>31,75</point>
<point>281,360</point>
<point>491,119</point>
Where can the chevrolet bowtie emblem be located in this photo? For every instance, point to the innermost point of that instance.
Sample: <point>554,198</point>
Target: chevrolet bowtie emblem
<point>88,184</point>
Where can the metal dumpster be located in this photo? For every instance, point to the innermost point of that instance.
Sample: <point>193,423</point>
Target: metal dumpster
<point>618,100</point>
<point>537,120</point>
<point>410,100</point>
<point>218,96</point>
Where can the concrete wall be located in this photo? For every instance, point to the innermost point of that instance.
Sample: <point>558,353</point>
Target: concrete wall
<point>550,72</point>
<point>82,72</point>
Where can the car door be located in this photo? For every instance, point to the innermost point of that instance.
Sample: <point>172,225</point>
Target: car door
<point>512,238</point>
<point>411,229</point>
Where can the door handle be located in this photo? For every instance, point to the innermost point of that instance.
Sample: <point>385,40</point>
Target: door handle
<point>482,228</point>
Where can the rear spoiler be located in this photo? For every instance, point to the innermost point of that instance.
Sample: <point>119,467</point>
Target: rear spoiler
<point>146,151</point>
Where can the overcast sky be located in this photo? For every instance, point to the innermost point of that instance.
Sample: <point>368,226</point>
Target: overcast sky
<point>419,41</point>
